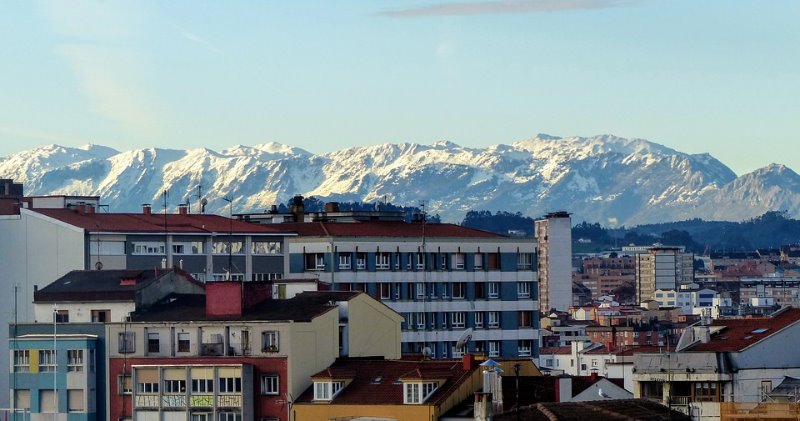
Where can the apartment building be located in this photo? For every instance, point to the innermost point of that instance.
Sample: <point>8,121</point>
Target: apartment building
<point>452,284</point>
<point>554,239</point>
<point>664,268</point>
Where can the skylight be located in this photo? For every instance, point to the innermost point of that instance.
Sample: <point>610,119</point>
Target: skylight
<point>760,330</point>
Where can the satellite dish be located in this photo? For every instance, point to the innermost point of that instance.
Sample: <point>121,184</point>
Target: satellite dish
<point>426,352</point>
<point>601,393</point>
<point>465,337</point>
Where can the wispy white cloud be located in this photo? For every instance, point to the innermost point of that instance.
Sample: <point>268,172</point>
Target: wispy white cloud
<point>503,7</point>
<point>99,44</point>
<point>191,36</point>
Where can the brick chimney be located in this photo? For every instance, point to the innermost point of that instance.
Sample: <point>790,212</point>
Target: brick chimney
<point>468,362</point>
<point>183,209</point>
<point>224,299</point>
<point>89,210</point>
<point>146,209</point>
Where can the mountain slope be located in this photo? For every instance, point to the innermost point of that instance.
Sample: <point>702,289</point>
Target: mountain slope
<point>606,179</point>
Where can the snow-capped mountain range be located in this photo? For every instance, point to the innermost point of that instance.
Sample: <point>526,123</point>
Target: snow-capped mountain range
<point>604,179</point>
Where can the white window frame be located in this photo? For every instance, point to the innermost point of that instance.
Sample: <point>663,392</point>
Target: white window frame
<point>418,392</point>
<point>419,288</point>
<point>270,384</point>
<point>524,261</point>
<point>523,289</point>
<point>345,261</point>
<point>126,342</point>
<point>458,292</point>
<point>494,349</point>
<point>361,260</point>
<point>75,360</point>
<point>420,260</point>
<point>22,361</point>
<point>478,261</point>
<point>383,261</point>
<point>493,290</point>
<point>48,361</point>
<point>457,319</point>
<point>229,385</point>
<point>327,390</point>
<point>385,295</point>
<point>524,348</point>
<point>261,247</point>
<point>149,248</point>
<point>457,261</point>
<point>221,247</point>
<point>493,321</point>
<point>270,341</point>
<point>420,320</point>
<point>479,320</point>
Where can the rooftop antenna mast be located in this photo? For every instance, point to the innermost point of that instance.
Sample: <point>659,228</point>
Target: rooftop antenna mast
<point>426,350</point>
<point>229,199</point>
<point>200,198</point>
<point>166,231</point>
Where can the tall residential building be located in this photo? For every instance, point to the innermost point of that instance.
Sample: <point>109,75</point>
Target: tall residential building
<point>554,236</point>
<point>459,289</point>
<point>662,267</point>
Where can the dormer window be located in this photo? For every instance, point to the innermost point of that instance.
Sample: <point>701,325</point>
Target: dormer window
<point>416,393</point>
<point>326,390</point>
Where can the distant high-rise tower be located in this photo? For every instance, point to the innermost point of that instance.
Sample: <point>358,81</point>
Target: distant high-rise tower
<point>662,267</point>
<point>554,237</point>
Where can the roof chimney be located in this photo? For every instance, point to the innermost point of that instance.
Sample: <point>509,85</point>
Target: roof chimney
<point>332,207</point>
<point>89,209</point>
<point>183,209</point>
<point>224,299</point>
<point>81,208</point>
<point>146,210</point>
<point>468,362</point>
<point>298,209</point>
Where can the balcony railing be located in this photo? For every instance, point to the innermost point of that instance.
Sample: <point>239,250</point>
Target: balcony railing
<point>229,401</point>
<point>146,401</point>
<point>173,401</point>
<point>202,401</point>
<point>214,349</point>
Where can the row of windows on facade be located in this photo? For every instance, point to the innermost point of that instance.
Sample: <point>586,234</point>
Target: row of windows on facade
<point>416,261</point>
<point>413,392</point>
<point>199,247</point>
<point>47,360</point>
<point>458,319</point>
<point>222,414</point>
<point>436,290</point>
<point>492,349</point>
<point>240,277</point>
<point>270,342</point>
<point>270,385</point>
<point>47,400</point>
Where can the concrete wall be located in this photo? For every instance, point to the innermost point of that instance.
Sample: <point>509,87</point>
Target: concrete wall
<point>373,328</point>
<point>313,347</point>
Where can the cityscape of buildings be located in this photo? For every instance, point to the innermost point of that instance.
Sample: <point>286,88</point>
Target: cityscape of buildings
<point>362,315</point>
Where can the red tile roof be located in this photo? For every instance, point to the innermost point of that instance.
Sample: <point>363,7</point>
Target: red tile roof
<point>176,223</point>
<point>555,350</point>
<point>384,229</point>
<point>737,334</point>
<point>376,381</point>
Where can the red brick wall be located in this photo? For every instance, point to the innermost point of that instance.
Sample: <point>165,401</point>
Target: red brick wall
<point>224,299</point>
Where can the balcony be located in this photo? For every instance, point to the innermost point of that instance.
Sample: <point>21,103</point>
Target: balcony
<point>146,401</point>
<point>238,349</point>
<point>173,401</point>
<point>202,401</point>
<point>229,401</point>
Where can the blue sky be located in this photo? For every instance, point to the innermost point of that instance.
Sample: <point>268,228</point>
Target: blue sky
<point>698,76</point>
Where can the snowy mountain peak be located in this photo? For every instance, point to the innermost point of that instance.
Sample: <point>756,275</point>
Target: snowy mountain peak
<point>600,178</point>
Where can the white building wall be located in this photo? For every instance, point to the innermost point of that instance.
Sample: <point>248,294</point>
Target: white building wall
<point>82,312</point>
<point>557,276</point>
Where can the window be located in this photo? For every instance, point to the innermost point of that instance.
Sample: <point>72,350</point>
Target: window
<point>22,360</point>
<point>267,276</point>
<point>200,416</point>
<point>420,261</point>
<point>524,261</point>
<point>420,320</point>
<point>266,247</point>
<point>197,247</point>
<point>456,352</point>
<point>386,290</point>
<point>101,316</point>
<point>478,261</point>
<point>184,344</point>
<point>494,348</point>
<point>420,287</point>
<point>147,387</point>
<point>523,289</point>
<point>361,261</point>
<point>382,261</point>
<point>227,247</point>
<point>127,342</point>
<point>480,290</point>
<point>148,248</point>
<point>325,391</point>
<point>230,385</point>
<point>493,289</point>
<point>345,261</point>
<point>62,316</point>
<point>47,360</point>
<point>478,320</point>
<point>124,384</point>
<point>458,289</point>
<point>443,261</point>
<point>457,319</point>
<point>493,261</point>
<point>524,348</point>
<point>153,343</point>
<point>174,386</point>
<point>229,416</point>
<point>22,399</point>
<point>75,360</point>
<point>494,319</point>
<point>270,341</point>
<point>524,318</point>
<point>706,391</point>
<point>315,261</point>
<point>457,261</point>
<point>418,392</point>
<point>397,261</point>
<point>202,385</point>
<point>269,384</point>
<point>397,291</point>
<point>178,249</point>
